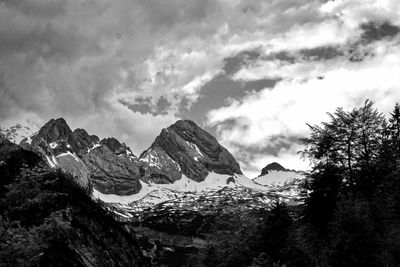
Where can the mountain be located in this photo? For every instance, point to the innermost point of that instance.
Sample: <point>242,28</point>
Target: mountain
<point>183,159</point>
<point>276,178</point>
<point>107,164</point>
<point>181,151</point>
<point>185,149</point>
<point>181,201</point>
<point>274,166</point>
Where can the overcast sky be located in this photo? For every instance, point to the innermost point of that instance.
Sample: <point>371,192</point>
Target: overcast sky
<point>253,73</point>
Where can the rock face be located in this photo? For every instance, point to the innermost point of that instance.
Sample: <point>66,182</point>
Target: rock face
<point>115,146</point>
<point>182,149</point>
<point>185,148</point>
<point>107,164</point>
<point>111,173</point>
<point>274,166</point>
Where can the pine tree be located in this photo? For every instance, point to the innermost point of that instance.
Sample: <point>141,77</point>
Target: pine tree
<point>350,141</point>
<point>394,131</point>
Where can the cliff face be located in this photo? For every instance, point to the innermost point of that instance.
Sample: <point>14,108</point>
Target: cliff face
<point>106,164</point>
<point>182,149</point>
<point>185,148</point>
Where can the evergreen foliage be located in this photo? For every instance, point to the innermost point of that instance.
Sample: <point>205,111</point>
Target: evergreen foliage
<point>46,219</point>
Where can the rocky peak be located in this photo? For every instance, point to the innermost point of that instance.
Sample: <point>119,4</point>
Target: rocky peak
<point>87,159</point>
<point>115,146</point>
<point>54,130</point>
<point>84,140</point>
<point>274,166</point>
<point>185,148</point>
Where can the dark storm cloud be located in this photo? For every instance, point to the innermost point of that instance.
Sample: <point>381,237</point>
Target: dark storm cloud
<point>76,59</point>
<point>375,31</point>
<point>236,62</point>
<point>321,53</point>
<point>145,105</point>
<point>72,59</point>
<point>284,56</point>
<point>73,52</point>
<point>219,91</point>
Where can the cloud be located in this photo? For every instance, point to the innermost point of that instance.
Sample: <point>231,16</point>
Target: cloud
<point>146,105</point>
<point>76,59</point>
<point>302,97</point>
<point>136,66</point>
<point>219,91</point>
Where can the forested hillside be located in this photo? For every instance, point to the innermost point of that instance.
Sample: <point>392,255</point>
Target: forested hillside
<point>46,219</point>
<point>351,215</point>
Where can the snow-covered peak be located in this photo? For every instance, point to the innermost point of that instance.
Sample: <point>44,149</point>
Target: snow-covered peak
<point>18,133</point>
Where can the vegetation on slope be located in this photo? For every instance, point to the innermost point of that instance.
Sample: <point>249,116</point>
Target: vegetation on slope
<point>48,220</point>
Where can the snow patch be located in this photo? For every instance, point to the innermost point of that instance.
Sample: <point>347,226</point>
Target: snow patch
<point>68,154</point>
<point>112,198</point>
<point>157,193</point>
<point>93,147</point>
<point>52,161</point>
<point>195,148</point>
<point>30,137</point>
<point>53,145</point>
<point>17,133</point>
<point>278,178</point>
<point>152,158</point>
<point>212,181</point>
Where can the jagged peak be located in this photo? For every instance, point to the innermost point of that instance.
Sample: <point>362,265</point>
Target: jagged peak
<point>83,132</point>
<point>116,146</point>
<point>191,132</point>
<point>182,123</point>
<point>195,152</point>
<point>53,130</point>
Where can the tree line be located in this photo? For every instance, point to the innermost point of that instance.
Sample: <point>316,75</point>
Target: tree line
<point>351,212</point>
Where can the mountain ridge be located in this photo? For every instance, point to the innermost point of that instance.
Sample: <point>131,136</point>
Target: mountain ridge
<point>189,150</point>
<point>183,148</point>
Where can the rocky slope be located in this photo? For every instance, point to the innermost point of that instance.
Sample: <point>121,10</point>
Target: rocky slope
<point>185,149</point>
<point>181,150</point>
<point>107,164</point>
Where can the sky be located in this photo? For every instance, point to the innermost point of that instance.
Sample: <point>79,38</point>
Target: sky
<point>252,73</point>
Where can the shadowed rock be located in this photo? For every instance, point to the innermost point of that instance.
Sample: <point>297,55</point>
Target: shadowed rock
<point>187,149</point>
<point>274,166</point>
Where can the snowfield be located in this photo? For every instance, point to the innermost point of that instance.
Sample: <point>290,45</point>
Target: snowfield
<point>278,178</point>
<point>152,194</point>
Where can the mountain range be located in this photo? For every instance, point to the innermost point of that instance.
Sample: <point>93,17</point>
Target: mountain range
<point>181,154</point>
<point>183,194</point>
